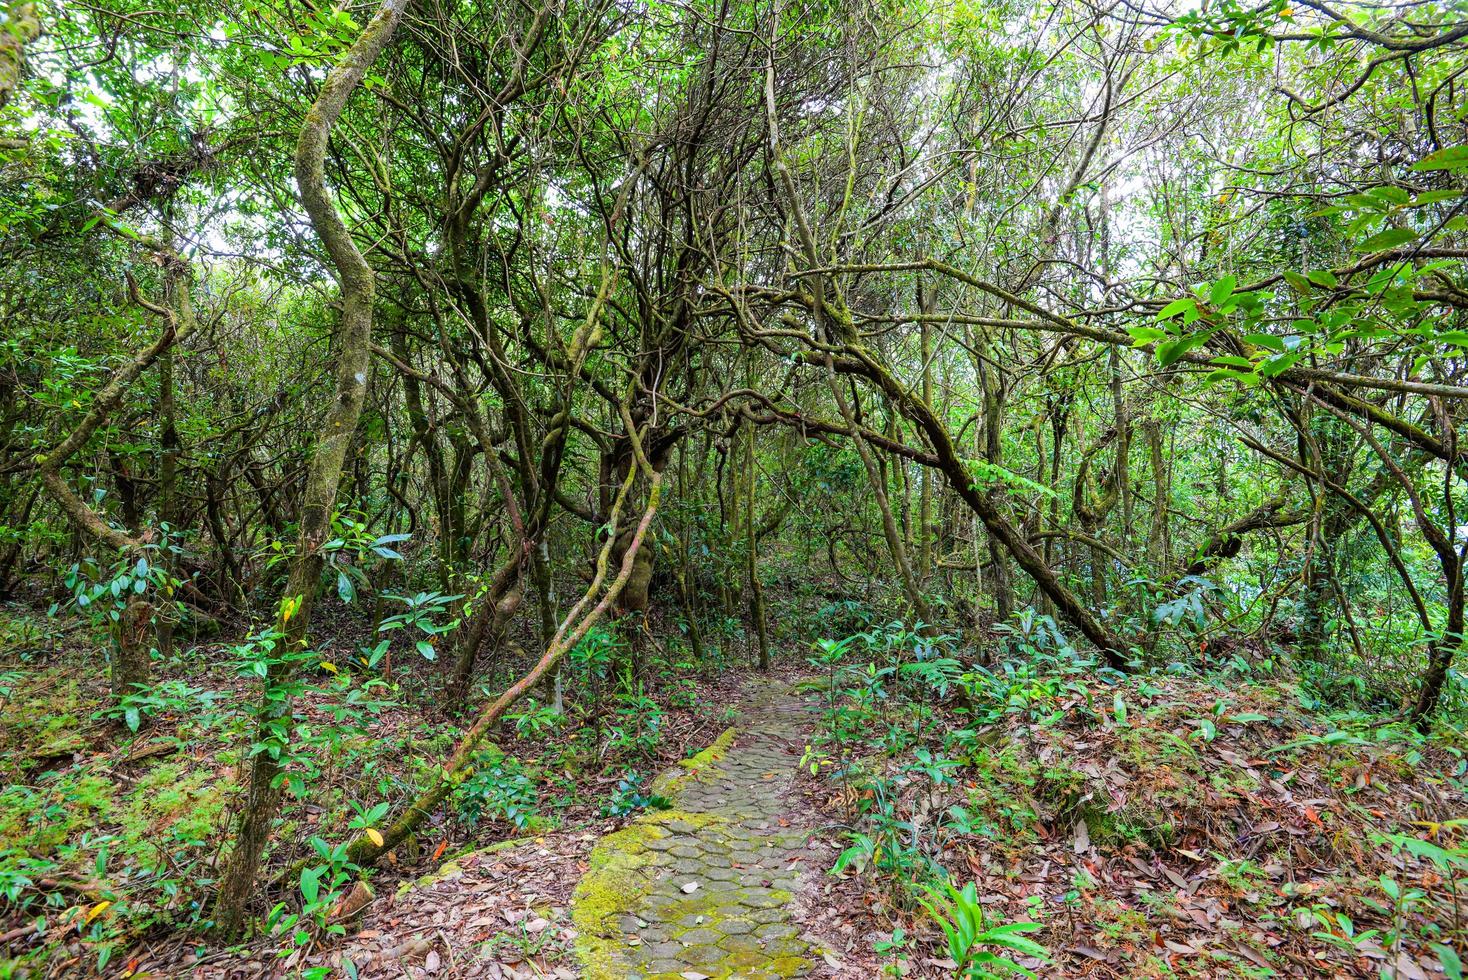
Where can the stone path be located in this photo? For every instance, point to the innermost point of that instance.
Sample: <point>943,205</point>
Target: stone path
<point>705,889</point>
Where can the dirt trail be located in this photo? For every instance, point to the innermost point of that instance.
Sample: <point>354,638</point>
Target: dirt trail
<point>710,887</point>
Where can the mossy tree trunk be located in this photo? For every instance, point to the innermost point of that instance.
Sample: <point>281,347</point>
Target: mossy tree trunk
<point>353,353</point>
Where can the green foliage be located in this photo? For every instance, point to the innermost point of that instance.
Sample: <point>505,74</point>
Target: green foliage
<point>499,789</point>
<point>631,797</point>
<point>422,613</point>
<point>961,917</point>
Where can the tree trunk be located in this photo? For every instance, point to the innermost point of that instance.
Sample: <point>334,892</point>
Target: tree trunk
<point>757,625</point>
<point>132,669</point>
<point>353,352</point>
<point>895,547</point>
<point>1440,656</point>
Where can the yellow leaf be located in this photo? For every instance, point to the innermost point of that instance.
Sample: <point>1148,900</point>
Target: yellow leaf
<point>374,836</point>
<point>328,666</point>
<point>97,910</point>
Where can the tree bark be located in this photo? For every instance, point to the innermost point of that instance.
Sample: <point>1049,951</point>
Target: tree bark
<point>132,668</point>
<point>757,624</point>
<point>353,353</point>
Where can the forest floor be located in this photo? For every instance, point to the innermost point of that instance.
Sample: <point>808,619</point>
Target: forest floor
<point>716,881</point>
<point>713,882</point>
<point>1219,823</point>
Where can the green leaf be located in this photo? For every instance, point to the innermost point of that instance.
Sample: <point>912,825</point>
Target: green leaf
<point>1233,360</point>
<point>426,648</point>
<point>311,885</point>
<point>1448,158</point>
<point>1322,277</point>
<point>1451,963</point>
<point>1230,374</point>
<point>1265,340</point>
<point>392,539</point>
<point>1278,364</point>
<point>344,587</point>
<point>1169,352</point>
<point>1299,282</point>
<point>1432,197</point>
<point>1177,306</point>
<point>1390,194</point>
<point>1390,238</point>
<point>1222,290</point>
<point>1146,335</point>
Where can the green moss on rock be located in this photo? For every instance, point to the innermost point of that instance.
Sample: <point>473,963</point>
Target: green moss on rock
<point>670,782</point>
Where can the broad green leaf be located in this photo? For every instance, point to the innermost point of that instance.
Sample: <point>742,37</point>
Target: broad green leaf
<point>1299,282</point>
<point>1169,352</point>
<point>1390,238</point>
<point>1222,290</point>
<point>1448,158</point>
<point>1432,197</point>
<point>1452,964</point>
<point>1390,193</point>
<point>1278,364</point>
<point>1177,306</point>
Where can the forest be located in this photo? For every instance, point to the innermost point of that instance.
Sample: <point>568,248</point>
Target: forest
<point>687,489</point>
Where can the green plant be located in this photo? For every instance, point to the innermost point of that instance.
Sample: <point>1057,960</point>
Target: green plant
<point>536,719</point>
<point>498,789</point>
<point>895,949</point>
<point>895,851</point>
<point>961,917</point>
<point>345,554</point>
<point>150,701</point>
<point>630,797</point>
<point>423,613</point>
<point>320,885</point>
<point>637,728</point>
<point>596,652</point>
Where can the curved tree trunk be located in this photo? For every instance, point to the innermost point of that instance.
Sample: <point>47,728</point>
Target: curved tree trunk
<point>262,799</point>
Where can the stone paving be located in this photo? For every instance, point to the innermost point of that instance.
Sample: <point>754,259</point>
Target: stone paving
<point>705,889</point>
